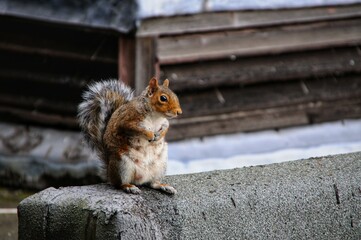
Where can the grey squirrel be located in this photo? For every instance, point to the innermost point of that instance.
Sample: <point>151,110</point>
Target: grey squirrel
<point>128,132</point>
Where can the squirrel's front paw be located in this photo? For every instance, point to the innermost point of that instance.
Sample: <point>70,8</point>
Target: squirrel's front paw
<point>157,136</point>
<point>151,136</point>
<point>161,132</point>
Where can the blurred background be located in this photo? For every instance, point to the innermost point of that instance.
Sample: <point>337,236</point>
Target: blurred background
<point>259,82</point>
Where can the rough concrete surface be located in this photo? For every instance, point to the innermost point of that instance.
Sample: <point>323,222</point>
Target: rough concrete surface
<point>318,198</point>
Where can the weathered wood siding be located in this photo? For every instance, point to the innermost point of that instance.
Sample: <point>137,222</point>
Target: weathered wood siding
<point>245,71</point>
<point>233,71</point>
<point>45,66</point>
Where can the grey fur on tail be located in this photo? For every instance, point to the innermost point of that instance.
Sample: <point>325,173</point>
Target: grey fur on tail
<point>100,100</point>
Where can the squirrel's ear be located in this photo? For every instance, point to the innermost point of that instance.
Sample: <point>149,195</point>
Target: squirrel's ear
<point>166,83</point>
<point>153,86</point>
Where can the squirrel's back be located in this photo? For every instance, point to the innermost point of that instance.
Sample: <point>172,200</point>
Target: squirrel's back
<point>100,100</point>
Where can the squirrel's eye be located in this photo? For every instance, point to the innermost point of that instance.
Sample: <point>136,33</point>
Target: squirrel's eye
<point>163,98</point>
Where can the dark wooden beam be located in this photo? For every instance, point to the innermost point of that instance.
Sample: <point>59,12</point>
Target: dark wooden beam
<point>270,118</point>
<point>146,62</point>
<point>226,100</point>
<point>31,37</point>
<point>251,70</point>
<point>40,104</point>
<point>126,60</point>
<point>220,21</point>
<point>37,118</point>
<point>251,42</point>
<point>226,110</point>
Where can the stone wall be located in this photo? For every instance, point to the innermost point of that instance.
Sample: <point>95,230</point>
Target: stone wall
<point>318,198</point>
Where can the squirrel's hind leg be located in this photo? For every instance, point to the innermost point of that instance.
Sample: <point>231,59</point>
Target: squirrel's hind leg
<point>163,187</point>
<point>120,174</point>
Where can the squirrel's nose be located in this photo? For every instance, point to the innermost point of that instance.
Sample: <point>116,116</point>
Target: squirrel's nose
<point>179,112</point>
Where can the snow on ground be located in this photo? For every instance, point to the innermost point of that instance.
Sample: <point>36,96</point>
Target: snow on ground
<point>195,155</point>
<point>264,147</point>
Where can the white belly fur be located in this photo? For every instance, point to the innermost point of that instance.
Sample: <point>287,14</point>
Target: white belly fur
<point>154,122</point>
<point>149,160</point>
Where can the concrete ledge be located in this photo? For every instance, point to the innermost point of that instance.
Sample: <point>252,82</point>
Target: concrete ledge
<point>317,198</point>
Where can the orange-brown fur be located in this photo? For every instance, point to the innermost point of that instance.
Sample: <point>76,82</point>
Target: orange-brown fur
<point>128,137</point>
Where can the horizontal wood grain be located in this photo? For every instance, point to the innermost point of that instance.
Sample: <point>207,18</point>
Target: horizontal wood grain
<point>33,37</point>
<point>271,118</point>
<point>250,42</point>
<point>251,70</point>
<point>268,95</point>
<point>224,110</point>
<point>25,116</point>
<point>220,21</point>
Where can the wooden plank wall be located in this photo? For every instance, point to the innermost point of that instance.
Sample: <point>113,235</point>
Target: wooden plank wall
<point>233,71</point>
<point>245,71</point>
<point>44,67</point>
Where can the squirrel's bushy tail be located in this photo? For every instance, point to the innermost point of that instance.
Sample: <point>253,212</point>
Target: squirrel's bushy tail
<point>100,100</point>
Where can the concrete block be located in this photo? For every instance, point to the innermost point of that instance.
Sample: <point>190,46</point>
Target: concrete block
<point>318,198</point>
